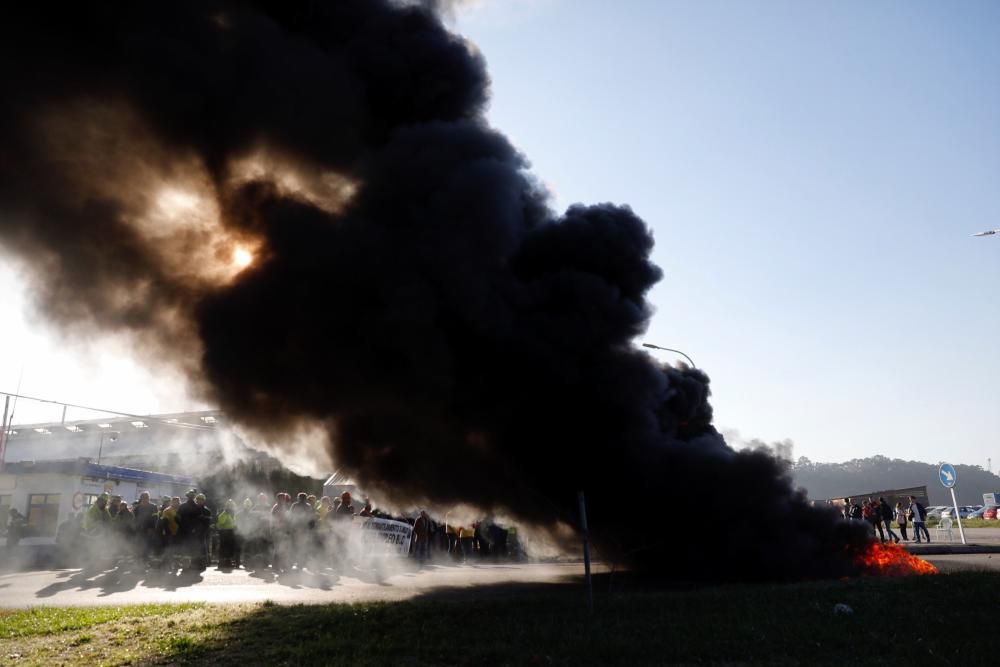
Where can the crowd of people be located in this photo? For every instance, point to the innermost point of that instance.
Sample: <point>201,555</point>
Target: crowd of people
<point>880,515</point>
<point>280,533</point>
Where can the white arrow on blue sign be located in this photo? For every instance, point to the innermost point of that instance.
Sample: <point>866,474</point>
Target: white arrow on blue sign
<point>947,475</point>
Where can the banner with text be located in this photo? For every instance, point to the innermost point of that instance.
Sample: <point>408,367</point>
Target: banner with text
<point>384,536</point>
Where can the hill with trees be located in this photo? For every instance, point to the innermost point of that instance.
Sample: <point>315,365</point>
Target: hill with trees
<point>860,476</point>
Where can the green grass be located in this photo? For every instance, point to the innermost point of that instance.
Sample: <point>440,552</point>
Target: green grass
<point>770,624</point>
<point>49,620</point>
<point>81,640</point>
<point>895,621</point>
<point>967,523</point>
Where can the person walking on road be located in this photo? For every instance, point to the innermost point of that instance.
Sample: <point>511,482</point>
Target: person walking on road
<point>919,516</point>
<point>872,514</point>
<point>886,513</point>
<point>901,520</point>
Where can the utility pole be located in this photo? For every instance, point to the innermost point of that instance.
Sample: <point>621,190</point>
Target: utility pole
<point>4,427</point>
<point>586,550</point>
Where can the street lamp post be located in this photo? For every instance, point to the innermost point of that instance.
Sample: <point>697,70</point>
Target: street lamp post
<point>114,436</point>
<point>670,349</point>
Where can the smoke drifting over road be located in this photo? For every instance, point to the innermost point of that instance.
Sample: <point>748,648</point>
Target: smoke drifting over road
<point>301,205</point>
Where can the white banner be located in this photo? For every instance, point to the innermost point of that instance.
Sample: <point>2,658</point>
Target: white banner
<point>384,536</point>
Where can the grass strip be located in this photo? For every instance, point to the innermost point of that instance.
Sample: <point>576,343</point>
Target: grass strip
<point>51,620</point>
<point>892,621</point>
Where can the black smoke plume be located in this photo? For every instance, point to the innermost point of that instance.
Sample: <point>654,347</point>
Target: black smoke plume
<point>411,292</point>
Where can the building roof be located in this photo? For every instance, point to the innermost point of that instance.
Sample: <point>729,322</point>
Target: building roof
<point>200,420</point>
<point>339,478</point>
<point>121,437</point>
<point>85,468</point>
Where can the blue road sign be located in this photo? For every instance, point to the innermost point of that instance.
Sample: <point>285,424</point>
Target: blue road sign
<point>947,475</point>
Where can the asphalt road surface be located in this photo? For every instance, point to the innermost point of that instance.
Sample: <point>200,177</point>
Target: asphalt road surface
<point>955,562</point>
<point>398,580</point>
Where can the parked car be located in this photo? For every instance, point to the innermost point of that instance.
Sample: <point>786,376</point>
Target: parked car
<point>966,511</point>
<point>990,512</point>
<point>963,511</point>
<point>978,514</point>
<point>934,511</point>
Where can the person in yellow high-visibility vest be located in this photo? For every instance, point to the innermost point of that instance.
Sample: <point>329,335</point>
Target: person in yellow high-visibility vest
<point>96,529</point>
<point>225,523</point>
<point>466,540</point>
<point>167,527</point>
<point>97,518</point>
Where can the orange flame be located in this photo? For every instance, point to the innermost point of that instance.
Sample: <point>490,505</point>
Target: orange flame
<point>893,560</point>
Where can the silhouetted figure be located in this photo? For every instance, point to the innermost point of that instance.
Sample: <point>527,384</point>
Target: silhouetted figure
<point>901,519</point>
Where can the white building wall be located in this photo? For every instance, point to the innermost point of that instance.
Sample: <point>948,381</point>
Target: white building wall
<point>22,486</point>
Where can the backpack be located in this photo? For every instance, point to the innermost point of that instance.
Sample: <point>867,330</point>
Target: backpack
<point>922,511</point>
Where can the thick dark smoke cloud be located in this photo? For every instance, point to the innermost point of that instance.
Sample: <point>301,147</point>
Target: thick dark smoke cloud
<point>411,292</point>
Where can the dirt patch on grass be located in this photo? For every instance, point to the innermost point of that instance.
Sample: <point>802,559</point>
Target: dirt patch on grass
<point>129,640</point>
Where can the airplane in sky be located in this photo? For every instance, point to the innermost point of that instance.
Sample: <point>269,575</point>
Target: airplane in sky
<point>989,232</point>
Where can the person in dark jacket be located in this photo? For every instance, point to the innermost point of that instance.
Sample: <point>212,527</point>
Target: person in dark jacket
<point>853,510</point>
<point>875,518</point>
<point>918,514</point>
<point>15,528</point>
<point>421,536</point>
<point>203,530</point>
<point>188,533</point>
<point>887,515</point>
<point>145,527</point>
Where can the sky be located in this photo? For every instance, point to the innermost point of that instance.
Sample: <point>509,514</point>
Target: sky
<point>812,173</point>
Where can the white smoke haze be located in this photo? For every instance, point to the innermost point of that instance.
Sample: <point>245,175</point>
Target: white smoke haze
<point>558,542</point>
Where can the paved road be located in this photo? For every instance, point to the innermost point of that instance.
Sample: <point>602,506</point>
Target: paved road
<point>955,563</point>
<point>985,536</point>
<point>396,581</point>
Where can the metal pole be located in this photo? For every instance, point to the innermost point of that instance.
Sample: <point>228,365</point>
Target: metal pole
<point>4,427</point>
<point>670,349</point>
<point>958,516</point>
<point>586,550</point>
<point>101,448</point>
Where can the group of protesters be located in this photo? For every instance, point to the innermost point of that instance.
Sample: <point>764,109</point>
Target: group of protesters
<point>280,533</point>
<point>880,515</point>
<point>149,531</point>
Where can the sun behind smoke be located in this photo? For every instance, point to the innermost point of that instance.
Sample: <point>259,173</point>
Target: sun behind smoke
<point>242,258</point>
